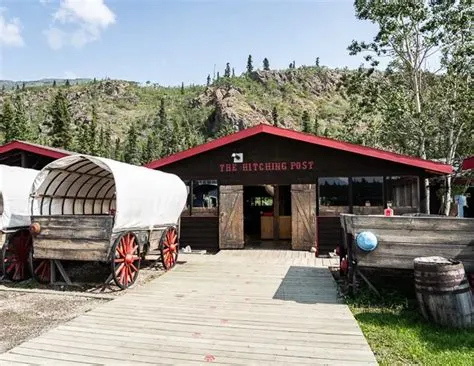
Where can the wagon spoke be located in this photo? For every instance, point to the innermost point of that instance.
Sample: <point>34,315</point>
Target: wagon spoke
<point>169,248</point>
<point>41,269</point>
<point>126,260</point>
<point>15,255</point>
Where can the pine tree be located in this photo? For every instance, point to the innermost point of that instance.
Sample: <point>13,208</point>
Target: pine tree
<point>3,88</point>
<point>102,145</point>
<point>68,84</point>
<point>233,73</point>
<point>317,62</point>
<point>316,126</point>
<point>150,148</point>
<point>23,87</point>
<point>17,87</point>
<point>275,116</point>
<point>227,70</point>
<point>117,154</point>
<point>306,122</point>
<point>249,64</point>
<point>19,129</point>
<point>182,87</point>
<point>60,124</point>
<point>132,152</point>
<point>94,81</point>
<point>208,82</point>
<point>54,83</point>
<point>7,119</point>
<point>92,140</point>
<point>107,142</point>
<point>217,77</point>
<point>162,117</point>
<point>83,138</point>
<point>266,64</point>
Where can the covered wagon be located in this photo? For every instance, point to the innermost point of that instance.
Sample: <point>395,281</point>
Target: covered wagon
<point>87,208</point>
<point>15,238</point>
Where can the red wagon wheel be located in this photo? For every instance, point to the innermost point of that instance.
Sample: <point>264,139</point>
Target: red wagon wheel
<point>40,268</point>
<point>169,248</point>
<point>15,254</point>
<point>125,260</point>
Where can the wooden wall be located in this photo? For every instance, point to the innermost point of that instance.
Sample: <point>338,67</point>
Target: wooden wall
<point>329,233</point>
<point>200,232</point>
<point>320,162</point>
<point>303,162</point>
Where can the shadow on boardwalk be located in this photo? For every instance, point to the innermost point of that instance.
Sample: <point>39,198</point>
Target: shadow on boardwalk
<point>308,285</point>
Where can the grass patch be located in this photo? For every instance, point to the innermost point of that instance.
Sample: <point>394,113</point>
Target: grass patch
<point>399,335</point>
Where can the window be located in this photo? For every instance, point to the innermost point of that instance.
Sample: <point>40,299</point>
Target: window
<point>367,195</point>
<point>333,196</point>
<point>204,194</point>
<point>403,193</point>
<point>203,200</point>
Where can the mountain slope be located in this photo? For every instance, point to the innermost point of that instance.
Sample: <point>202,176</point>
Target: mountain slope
<point>291,97</point>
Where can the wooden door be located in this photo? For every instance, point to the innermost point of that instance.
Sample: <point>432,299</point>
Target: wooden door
<point>231,217</point>
<point>303,216</point>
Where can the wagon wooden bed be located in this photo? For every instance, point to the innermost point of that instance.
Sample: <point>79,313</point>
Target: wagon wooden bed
<point>15,238</point>
<point>400,239</point>
<point>87,208</point>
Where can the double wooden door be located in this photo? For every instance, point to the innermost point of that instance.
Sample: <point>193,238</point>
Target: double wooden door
<point>303,217</point>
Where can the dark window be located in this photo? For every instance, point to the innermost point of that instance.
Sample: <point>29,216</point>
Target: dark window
<point>402,192</point>
<point>205,194</point>
<point>333,196</point>
<point>367,195</point>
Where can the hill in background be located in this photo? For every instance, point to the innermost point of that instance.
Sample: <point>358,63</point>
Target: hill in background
<point>176,118</point>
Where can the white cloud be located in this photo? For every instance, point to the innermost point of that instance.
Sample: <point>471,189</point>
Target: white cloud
<point>10,31</point>
<point>88,19</point>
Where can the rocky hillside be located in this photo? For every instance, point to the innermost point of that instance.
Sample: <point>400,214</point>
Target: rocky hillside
<point>290,97</point>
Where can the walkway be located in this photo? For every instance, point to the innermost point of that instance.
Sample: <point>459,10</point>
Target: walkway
<point>249,307</point>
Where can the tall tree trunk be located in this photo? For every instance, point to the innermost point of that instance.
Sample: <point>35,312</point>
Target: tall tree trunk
<point>416,83</point>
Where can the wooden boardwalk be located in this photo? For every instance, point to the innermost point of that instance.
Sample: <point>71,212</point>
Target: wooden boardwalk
<point>249,307</point>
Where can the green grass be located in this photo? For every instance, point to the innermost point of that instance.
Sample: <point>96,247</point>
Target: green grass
<point>398,334</point>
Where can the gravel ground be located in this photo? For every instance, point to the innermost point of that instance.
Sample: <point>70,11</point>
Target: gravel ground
<point>26,315</point>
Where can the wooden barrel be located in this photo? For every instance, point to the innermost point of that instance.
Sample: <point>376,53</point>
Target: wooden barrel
<point>443,292</point>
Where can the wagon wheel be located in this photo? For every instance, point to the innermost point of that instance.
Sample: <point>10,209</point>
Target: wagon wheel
<point>169,248</point>
<point>126,260</point>
<point>40,268</point>
<point>15,253</point>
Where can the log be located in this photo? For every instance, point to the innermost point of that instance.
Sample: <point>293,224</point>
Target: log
<point>443,292</point>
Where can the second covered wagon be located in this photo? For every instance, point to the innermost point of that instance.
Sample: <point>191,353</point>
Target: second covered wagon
<point>86,208</point>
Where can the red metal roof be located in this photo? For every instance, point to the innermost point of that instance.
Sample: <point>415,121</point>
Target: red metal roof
<point>429,165</point>
<point>468,163</point>
<point>50,152</point>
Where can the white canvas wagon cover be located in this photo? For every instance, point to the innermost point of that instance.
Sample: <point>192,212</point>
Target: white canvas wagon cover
<point>141,198</point>
<point>15,187</point>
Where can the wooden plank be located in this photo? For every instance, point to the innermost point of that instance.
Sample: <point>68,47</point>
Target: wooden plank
<point>242,307</point>
<point>90,221</point>
<point>410,223</point>
<point>74,233</point>
<point>76,254</point>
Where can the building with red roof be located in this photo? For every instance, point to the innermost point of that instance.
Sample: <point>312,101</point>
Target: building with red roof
<point>269,186</point>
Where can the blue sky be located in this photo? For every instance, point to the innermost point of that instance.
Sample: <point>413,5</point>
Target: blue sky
<point>168,42</point>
